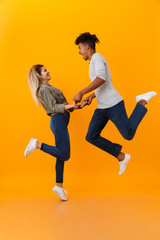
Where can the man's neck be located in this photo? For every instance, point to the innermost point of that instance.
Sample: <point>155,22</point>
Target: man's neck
<point>90,54</point>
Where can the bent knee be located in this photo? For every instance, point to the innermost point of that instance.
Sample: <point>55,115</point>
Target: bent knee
<point>90,139</point>
<point>66,157</point>
<point>127,137</point>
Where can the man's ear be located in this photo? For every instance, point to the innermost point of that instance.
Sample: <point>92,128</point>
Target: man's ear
<point>87,47</point>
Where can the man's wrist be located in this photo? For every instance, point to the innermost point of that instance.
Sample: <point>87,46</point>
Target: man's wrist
<point>82,93</point>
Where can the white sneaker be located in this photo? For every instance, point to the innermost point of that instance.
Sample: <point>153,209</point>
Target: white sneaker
<point>123,164</point>
<point>146,96</point>
<point>30,147</point>
<point>60,192</point>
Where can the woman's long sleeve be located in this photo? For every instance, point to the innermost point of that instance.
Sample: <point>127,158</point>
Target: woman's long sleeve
<point>49,102</point>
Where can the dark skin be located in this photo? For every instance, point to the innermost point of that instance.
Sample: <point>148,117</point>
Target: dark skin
<point>87,52</point>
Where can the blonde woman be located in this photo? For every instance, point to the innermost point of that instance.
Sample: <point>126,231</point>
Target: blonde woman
<point>56,106</point>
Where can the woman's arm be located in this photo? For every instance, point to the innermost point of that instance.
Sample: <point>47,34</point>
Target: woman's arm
<point>50,102</point>
<point>69,106</point>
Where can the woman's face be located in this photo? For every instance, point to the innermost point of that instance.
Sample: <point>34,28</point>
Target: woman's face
<point>45,74</point>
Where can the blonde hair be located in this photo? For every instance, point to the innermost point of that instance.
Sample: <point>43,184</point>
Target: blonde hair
<point>34,81</point>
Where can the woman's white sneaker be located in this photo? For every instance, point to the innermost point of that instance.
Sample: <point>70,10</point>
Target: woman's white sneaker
<point>146,96</point>
<point>60,192</point>
<point>30,147</point>
<point>123,164</point>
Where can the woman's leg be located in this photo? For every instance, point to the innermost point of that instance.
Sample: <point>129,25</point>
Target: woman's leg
<point>58,126</point>
<point>59,172</point>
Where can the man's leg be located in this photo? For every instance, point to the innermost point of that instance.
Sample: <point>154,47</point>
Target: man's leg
<point>98,122</point>
<point>126,126</point>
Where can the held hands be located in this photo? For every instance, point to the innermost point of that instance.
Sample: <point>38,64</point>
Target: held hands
<point>74,106</point>
<point>84,103</point>
<point>88,100</point>
<point>78,97</point>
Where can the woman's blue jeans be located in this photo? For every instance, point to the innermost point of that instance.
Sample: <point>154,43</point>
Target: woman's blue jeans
<point>117,114</point>
<point>61,151</point>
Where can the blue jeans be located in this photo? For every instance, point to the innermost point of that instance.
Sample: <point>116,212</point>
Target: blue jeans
<point>117,114</point>
<point>61,151</point>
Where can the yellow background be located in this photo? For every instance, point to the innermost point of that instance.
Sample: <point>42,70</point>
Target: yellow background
<point>43,32</point>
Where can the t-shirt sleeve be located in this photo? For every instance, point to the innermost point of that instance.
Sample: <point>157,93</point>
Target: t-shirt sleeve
<point>100,68</point>
<point>46,98</point>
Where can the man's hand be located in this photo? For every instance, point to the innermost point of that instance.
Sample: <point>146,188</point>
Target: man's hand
<point>78,97</point>
<point>84,103</point>
<point>88,99</point>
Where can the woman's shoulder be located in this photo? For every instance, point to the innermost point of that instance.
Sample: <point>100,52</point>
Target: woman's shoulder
<point>42,88</point>
<point>46,88</point>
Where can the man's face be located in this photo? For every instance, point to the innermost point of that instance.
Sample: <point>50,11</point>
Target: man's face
<point>83,50</point>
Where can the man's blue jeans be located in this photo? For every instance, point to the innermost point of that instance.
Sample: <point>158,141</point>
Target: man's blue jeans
<point>61,151</point>
<point>117,114</point>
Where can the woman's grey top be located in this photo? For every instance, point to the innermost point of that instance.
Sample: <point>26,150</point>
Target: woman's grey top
<point>52,99</point>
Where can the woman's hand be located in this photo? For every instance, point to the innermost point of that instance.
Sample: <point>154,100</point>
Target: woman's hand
<point>70,106</point>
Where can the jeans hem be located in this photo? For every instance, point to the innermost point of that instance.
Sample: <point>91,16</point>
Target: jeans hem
<point>116,155</point>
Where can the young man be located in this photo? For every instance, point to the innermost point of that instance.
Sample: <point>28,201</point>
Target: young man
<point>110,103</point>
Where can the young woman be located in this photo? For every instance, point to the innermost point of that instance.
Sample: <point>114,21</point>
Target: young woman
<point>56,106</point>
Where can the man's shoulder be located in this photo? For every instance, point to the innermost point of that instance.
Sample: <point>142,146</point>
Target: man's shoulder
<point>98,56</point>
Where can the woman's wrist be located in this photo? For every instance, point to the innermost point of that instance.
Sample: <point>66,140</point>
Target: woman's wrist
<point>68,106</point>
<point>78,106</point>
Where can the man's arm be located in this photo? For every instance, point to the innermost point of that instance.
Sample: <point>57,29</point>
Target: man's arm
<point>95,84</point>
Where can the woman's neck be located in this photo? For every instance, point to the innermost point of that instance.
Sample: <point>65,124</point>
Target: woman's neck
<point>45,82</point>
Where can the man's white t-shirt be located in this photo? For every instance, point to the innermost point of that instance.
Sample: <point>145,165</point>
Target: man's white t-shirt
<point>106,95</point>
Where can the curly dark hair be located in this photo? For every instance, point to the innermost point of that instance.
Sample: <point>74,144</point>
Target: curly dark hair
<point>87,38</point>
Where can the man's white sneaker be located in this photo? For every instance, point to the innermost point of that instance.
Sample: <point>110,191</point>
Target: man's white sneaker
<point>123,164</point>
<point>30,147</point>
<point>60,192</point>
<point>146,96</point>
